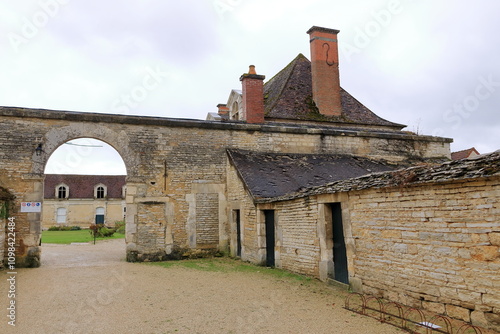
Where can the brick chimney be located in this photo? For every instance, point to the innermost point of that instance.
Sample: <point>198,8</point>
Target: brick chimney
<point>252,96</point>
<point>222,109</point>
<point>325,70</point>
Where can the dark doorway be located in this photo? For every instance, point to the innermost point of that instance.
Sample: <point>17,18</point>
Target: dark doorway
<point>99,216</point>
<point>237,219</point>
<point>339,249</point>
<point>270,238</point>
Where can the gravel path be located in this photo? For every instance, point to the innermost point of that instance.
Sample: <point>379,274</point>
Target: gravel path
<point>91,289</point>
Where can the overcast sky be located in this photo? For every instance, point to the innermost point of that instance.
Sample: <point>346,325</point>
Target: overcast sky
<point>431,64</point>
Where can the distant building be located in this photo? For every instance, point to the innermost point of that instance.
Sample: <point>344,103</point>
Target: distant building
<point>82,200</point>
<point>464,154</point>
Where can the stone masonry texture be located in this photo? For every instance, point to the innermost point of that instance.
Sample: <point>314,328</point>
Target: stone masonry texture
<point>431,240</point>
<point>169,161</point>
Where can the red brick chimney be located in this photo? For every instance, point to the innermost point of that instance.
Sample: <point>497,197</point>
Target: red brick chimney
<point>252,96</point>
<point>222,109</point>
<point>325,70</point>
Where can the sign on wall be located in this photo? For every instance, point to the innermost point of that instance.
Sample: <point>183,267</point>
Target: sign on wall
<point>31,206</point>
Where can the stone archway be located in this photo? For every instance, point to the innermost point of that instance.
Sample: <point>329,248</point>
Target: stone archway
<point>56,137</point>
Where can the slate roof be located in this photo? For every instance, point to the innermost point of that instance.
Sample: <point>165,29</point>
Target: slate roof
<point>288,95</point>
<point>274,174</point>
<point>487,165</point>
<point>463,154</point>
<point>82,186</point>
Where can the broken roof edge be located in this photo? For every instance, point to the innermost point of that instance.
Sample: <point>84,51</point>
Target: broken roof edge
<point>486,166</point>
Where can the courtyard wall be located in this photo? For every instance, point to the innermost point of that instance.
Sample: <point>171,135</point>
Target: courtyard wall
<point>433,245</point>
<point>177,164</point>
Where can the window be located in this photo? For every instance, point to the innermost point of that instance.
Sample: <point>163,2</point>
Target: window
<point>62,191</point>
<point>100,191</point>
<point>61,216</point>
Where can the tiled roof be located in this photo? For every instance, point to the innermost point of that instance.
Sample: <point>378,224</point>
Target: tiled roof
<point>288,95</point>
<point>272,174</point>
<point>463,154</point>
<point>487,165</point>
<point>82,186</point>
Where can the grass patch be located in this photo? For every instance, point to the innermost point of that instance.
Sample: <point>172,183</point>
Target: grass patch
<point>227,265</point>
<point>67,237</point>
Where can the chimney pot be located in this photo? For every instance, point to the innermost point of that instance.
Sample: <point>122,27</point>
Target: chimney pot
<point>222,109</point>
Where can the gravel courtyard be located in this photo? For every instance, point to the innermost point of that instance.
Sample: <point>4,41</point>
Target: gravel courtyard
<point>91,289</point>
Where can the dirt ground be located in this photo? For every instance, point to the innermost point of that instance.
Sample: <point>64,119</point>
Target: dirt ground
<point>91,289</point>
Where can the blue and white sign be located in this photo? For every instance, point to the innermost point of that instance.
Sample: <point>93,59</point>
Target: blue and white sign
<point>31,206</point>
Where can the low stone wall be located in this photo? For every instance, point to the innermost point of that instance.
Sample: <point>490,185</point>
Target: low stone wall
<point>433,246</point>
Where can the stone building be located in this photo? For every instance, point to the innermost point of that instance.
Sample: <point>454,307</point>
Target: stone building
<point>294,173</point>
<point>177,169</point>
<point>426,236</point>
<point>82,200</point>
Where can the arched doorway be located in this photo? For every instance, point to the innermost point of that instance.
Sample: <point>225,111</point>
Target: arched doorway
<point>46,146</point>
<point>84,186</point>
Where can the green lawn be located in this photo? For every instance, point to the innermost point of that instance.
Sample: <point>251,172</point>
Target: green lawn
<point>67,237</point>
<point>224,264</point>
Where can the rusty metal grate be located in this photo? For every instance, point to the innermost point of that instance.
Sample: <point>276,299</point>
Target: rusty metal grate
<point>408,318</point>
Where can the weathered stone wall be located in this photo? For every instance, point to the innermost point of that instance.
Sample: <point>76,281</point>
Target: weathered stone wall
<point>169,161</point>
<point>432,246</point>
<point>252,233</point>
<point>435,246</point>
<point>297,242</point>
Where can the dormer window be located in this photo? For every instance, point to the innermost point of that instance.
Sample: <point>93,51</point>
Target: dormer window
<point>62,191</point>
<point>100,191</point>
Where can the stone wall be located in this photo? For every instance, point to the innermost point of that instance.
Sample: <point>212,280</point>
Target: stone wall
<point>432,246</point>
<point>252,233</point>
<point>170,161</point>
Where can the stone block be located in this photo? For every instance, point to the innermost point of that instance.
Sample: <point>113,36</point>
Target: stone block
<point>356,284</point>
<point>450,293</point>
<point>491,299</point>
<point>478,319</point>
<point>458,312</point>
<point>391,234</point>
<point>485,253</point>
<point>493,320</point>
<point>433,307</point>
<point>469,296</point>
<point>494,238</point>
